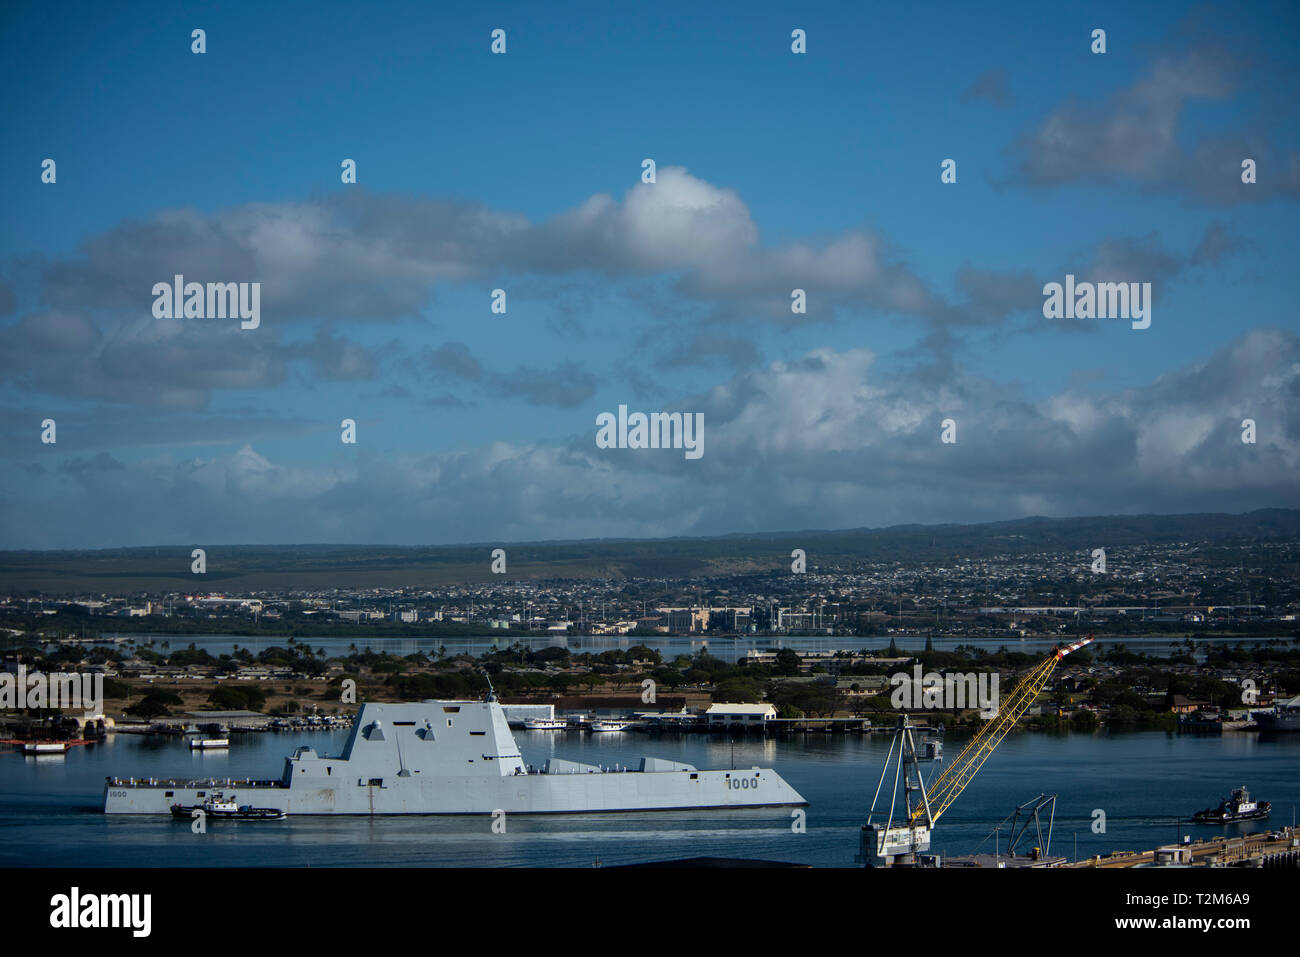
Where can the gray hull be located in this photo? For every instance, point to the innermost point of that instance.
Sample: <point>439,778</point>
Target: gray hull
<point>1278,720</point>
<point>456,757</point>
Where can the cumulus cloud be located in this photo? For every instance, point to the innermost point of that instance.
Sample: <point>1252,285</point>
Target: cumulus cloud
<point>831,440</point>
<point>563,387</point>
<point>336,358</point>
<point>362,255</point>
<point>142,361</point>
<point>341,256</point>
<point>351,256</point>
<point>1139,135</point>
<point>453,360</point>
<point>991,297</point>
<point>677,222</point>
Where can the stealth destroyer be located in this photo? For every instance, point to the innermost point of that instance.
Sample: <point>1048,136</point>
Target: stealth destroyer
<point>455,757</point>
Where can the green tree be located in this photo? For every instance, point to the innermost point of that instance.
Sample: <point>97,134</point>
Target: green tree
<point>154,704</point>
<point>787,662</point>
<point>560,682</point>
<point>738,691</point>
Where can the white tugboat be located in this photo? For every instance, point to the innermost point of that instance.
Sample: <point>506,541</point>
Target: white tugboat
<point>221,808</point>
<point>1238,807</point>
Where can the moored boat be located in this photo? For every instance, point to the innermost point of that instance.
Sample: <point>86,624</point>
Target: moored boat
<point>45,747</point>
<point>545,724</point>
<point>608,726</point>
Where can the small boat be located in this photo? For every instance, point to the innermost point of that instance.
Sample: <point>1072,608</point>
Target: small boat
<point>45,747</point>
<point>1238,807</point>
<point>208,744</point>
<point>545,724</point>
<point>608,726</point>
<point>226,809</point>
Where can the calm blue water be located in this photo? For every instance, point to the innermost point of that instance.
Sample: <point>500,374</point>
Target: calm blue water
<point>727,649</point>
<point>50,808</point>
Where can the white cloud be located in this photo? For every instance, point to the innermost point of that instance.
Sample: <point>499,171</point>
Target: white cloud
<point>829,441</point>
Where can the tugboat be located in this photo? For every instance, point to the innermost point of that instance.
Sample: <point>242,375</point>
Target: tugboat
<point>219,808</point>
<point>1238,807</point>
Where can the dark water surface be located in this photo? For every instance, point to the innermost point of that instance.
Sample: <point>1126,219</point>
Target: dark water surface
<point>51,808</point>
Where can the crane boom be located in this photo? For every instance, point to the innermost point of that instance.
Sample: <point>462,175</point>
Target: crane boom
<point>947,786</point>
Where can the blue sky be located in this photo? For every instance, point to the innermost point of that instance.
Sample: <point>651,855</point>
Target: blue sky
<point>522,171</point>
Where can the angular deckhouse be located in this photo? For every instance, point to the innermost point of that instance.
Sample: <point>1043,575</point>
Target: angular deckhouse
<point>455,757</point>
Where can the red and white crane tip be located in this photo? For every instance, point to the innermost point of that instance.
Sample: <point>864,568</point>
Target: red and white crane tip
<point>1062,652</point>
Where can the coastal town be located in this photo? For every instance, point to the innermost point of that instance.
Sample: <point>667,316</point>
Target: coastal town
<point>1189,636</point>
<point>1193,589</point>
<point>166,683</point>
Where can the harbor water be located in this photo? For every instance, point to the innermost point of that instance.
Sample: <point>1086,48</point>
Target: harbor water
<point>1146,784</point>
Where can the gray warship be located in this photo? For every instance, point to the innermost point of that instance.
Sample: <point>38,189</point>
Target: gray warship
<point>1285,716</point>
<point>455,757</point>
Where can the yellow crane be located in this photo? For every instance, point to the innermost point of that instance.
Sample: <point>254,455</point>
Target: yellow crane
<point>888,843</point>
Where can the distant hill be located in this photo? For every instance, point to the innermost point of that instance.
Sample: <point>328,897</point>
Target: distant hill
<point>253,567</point>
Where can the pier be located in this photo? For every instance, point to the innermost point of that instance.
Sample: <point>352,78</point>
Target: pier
<point>1270,849</point>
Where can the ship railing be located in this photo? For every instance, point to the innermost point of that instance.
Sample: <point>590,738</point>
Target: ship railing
<point>191,783</point>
